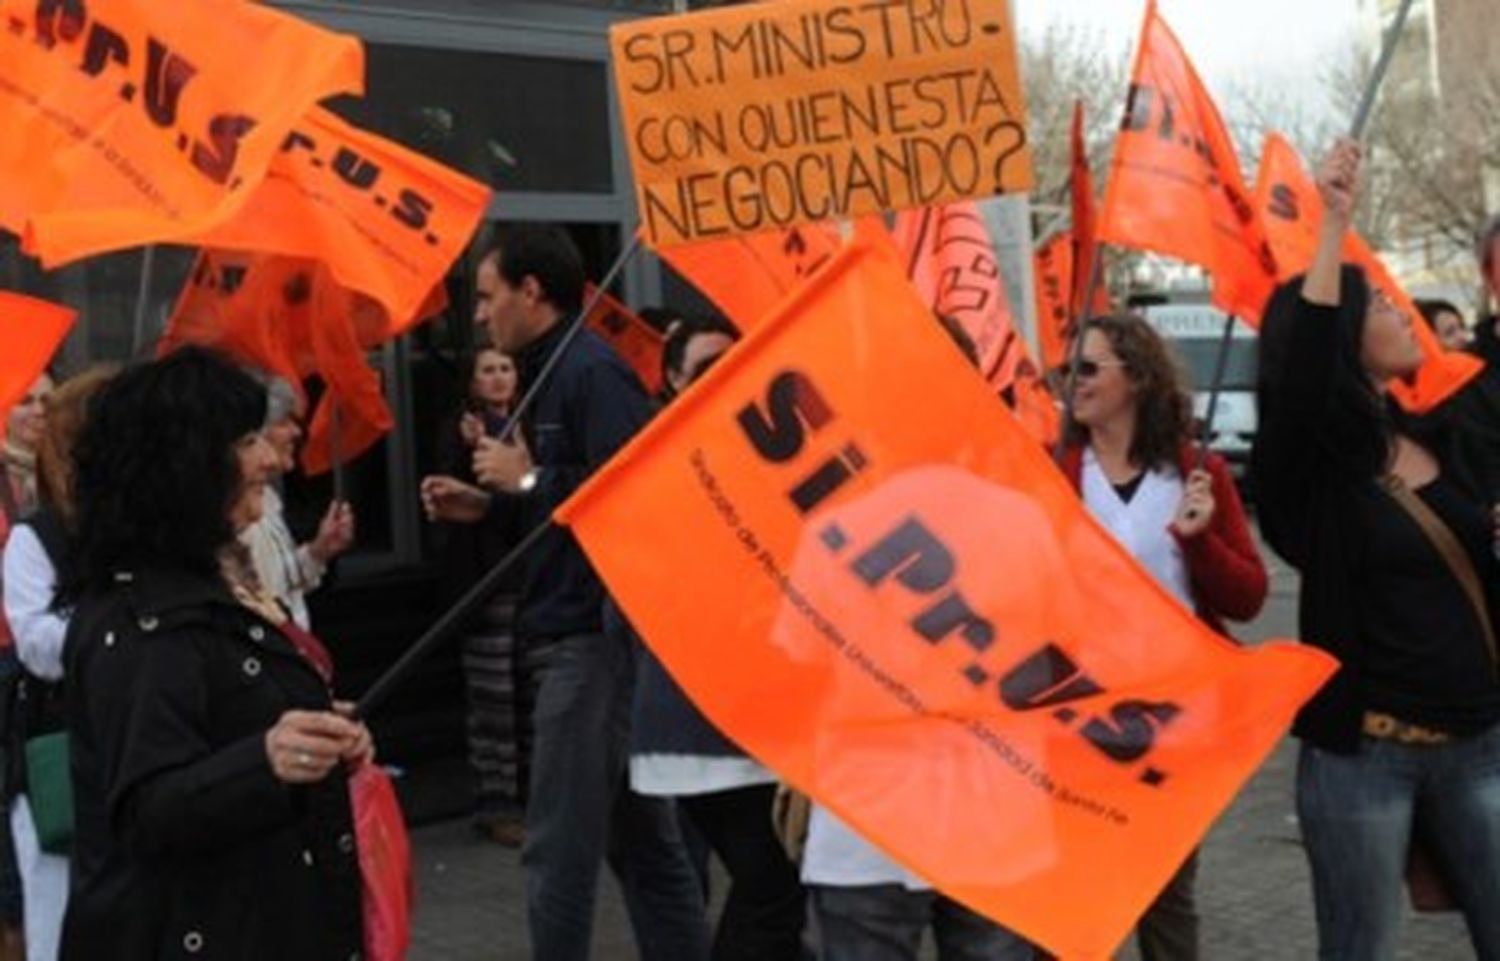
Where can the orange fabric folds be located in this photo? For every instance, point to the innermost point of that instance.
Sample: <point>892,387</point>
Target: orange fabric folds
<point>388,222</point>
<point>1175,185</point>
<point>637,342</point>
<point>1287,198</point>
<point>134,121</point>
<point>31,330</point>
<point>289,316</point>
<point>746,277</point>
<point>877,583</point>
<point>1053,263</point>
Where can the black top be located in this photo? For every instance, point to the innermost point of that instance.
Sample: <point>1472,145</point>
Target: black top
<point>1322,509</point>
<point>186,844</point>
<point>1126,491</point>
<point>589,407</point>
<point>1427,659</point>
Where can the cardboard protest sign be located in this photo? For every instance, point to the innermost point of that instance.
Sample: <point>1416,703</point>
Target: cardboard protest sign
<point>764,116</point>
<point>387,221</point>
<point>1288,200</point>
<point>1175,185</point>
<point>128,122</point>
<point>963,665</point>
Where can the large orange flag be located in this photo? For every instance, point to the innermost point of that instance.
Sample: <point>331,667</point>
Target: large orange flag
<point>872,579</point>
<point>637,342</point>
<point>747,276</point>
<point>289,316</point>
<point>1175,185</point>
<point>31,330</point>
<point>133,121</point>
<point>1287,198</point>
<point>388,222</point>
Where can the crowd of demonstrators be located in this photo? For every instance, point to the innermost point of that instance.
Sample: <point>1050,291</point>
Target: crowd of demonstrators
<point>25,425</point>
<point>33,556</point>
<point>497,723</point>
<point>1131,458</point>
<point>289,571</point>
<point>210,763</point>
<point>1395,543</point>
<point>580,811</point>
<point>870,908</point>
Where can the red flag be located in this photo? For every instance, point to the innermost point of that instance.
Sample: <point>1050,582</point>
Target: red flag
<point>1085,231</point>
<point>129,122</point>
<point>1175,185</point>
<point>640,344</point>
<point>880,587</point>
<point>31,330</point>
<point>1287,197</point>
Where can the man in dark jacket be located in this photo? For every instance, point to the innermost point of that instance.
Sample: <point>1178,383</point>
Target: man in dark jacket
<point>580,809</point>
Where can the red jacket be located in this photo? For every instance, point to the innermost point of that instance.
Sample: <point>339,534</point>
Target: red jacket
<point>1225,571</point>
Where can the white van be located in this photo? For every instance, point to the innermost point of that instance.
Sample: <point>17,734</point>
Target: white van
<point>1195,331</point>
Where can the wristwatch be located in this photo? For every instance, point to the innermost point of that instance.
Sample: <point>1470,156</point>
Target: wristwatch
<point>528,480</point>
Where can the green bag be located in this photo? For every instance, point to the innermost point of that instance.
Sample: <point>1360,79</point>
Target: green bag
<point>49,791</point>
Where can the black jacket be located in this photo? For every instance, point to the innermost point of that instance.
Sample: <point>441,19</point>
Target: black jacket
<point>186,845</point>
<point>588,408</point>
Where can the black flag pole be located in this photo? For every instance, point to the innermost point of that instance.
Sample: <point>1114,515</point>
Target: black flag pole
<point>143,300</point>
<point>479,594</point>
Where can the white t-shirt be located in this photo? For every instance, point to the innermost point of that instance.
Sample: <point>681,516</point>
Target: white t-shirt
<point>686,775</point>
<point>30,582</point>
<point>1141,525</point>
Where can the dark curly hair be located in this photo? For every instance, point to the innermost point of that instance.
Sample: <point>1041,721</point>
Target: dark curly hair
<point>156,468</point>
<point>1164,408</point>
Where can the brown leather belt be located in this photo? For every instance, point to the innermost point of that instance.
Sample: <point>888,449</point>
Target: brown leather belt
<point>1384,727</point>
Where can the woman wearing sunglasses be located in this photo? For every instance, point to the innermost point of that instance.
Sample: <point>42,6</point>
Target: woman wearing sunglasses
<point>1131,458</point>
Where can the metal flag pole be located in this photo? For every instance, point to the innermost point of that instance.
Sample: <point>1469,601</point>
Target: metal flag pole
<point>1221,366</point>
<point>142,300</point>
<point>1372,88</point>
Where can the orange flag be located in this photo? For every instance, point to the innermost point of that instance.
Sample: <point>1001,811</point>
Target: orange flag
<point>1054,288</point>
<point>951,262</point>
<point>31,330</point>
<point>388,222</point>
<point>1175,185</point>
<point>289,316</point>
<point>129,122</point>
<point>1287,198</point>
<point>637,342</point>
<point>746,276</point>
<point>881,587</point>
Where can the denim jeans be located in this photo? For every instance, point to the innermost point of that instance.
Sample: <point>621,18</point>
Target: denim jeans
<point>581,812</point>
<point>1358,813</point>
<point>885,922</point>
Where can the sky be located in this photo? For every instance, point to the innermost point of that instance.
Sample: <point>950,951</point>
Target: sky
<point>1277,42</point>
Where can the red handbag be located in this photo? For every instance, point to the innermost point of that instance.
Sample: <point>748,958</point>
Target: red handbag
<point>384,864</point>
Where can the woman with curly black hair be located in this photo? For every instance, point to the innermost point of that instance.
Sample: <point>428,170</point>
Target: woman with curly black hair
<point>209,762</point>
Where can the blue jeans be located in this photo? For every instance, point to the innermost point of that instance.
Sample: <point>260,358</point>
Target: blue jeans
<point>1358,813</point>
<point>581,812</point>
<point>885,922</point>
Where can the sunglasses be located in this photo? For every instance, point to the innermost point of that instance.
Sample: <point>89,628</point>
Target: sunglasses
<point>1089,368</point>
